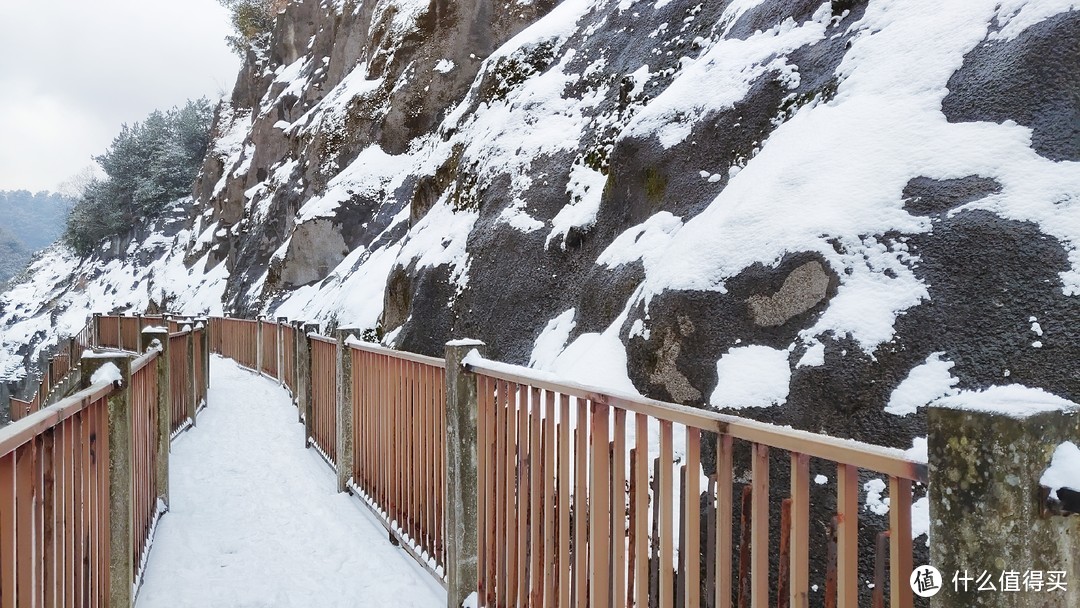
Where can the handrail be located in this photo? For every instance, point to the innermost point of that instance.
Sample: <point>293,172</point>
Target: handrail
<point>144,360</point>
<point>25,429</point>
<point>890,461</point>
<point>321,338</point>
<point>378,349</point>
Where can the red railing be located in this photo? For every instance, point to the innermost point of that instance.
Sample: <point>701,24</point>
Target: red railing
<point>288,357</point>
<point>85,339</point>
<point>270,348</point>
<point>54,507</point>
<point>20,408</point>
<point>179,381</point>
<point>144,447</point>
<point>65,359</point>
<point>108,331</point>
<point>589,497</point>
<point>237,339</point>
<point>579,495</point>
<point>324,396</point>
<point>129,333</point>
<point>56,495</point>
<point>399,445</point>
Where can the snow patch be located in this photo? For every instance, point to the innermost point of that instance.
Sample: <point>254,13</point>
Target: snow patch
<point>1064,470</point>
<point>874,502</point>
<point>1013,400</point>
<point>107,373</point>
<point>552,339</point>
<point>751,376</point>
<point>925,383</point>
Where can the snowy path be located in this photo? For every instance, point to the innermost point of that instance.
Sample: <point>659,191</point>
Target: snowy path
<point>255,518</point>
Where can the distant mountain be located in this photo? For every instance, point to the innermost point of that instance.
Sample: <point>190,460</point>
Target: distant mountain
<point>31,222</point>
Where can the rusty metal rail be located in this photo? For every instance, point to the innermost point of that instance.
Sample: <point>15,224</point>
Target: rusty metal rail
<point>588,496</point>
<point>54,510</point>
<point>58,491</point>
<point>288,357</point>
<point>324,396</point>
<point>238,340</point>
<point>179,388</point>
<point>399,444</point>
<point>565,501</point>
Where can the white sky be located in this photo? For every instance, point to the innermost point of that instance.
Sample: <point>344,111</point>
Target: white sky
<point>73,71</point>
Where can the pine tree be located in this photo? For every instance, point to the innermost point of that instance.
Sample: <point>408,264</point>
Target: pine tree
<point>148,166</point>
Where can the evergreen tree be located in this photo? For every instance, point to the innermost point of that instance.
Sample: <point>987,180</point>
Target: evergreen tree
<point>149,165</point>
<point>251,20</point>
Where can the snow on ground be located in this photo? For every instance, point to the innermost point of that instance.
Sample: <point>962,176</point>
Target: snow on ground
<point>255,519</point>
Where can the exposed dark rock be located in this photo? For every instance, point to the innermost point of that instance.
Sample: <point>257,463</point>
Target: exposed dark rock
<point>762,305</point>
<point>315,249</point>
<point>1031,80</point>
<point>925,196</point>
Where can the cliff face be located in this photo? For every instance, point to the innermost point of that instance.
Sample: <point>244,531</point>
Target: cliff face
<point>842,209</point>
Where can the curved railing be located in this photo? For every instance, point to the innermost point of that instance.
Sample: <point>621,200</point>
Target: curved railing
<point>84,481</point>
<point>580,497</point>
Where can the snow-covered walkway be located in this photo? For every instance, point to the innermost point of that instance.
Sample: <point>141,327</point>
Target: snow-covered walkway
<point>255,519</point>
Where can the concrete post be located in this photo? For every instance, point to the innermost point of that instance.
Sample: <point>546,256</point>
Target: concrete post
<point>121,532</point>
<point>303,375</point>
<point>50,375</point>
<point>95,339</point>
<point>158,337</point>
<point>461,483</point>
<point>987,514</point>
<point>259,354</point>
<point>345,459</point>
<point>281,323</point>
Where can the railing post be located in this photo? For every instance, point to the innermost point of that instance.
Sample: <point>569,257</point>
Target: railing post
<point>95,339</point>
<point>73,353</point>
<point>989,520</point>
<point>281,323</point>
<point>303,377</point>
<point>121,531</point>
<point>158,337</point>
<point>344,409</point>
<point>50,373</point>
<point>461,483</point>
<point>259,354</point>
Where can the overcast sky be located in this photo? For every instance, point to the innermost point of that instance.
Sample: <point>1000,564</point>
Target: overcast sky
<point>73,71</point>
